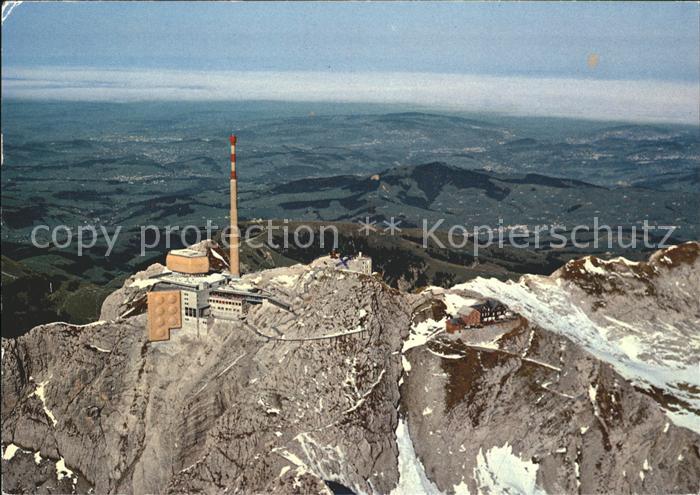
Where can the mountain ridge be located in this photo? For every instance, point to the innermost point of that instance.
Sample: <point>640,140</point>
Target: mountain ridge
<point>87,407</point>
<point>437,190</point>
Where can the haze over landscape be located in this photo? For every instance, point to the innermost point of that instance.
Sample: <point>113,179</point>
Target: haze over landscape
<point>616,62</point>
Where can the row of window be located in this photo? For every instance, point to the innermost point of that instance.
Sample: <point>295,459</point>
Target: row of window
<point>228,310</point>
<point>227,302</point>
<point>193,312</point>
<point>231,306</point>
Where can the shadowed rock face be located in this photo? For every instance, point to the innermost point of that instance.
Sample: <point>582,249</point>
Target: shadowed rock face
<point>239,408</point>
<point>228,409</point>
<point>598,277</point>
<point>584,427</point>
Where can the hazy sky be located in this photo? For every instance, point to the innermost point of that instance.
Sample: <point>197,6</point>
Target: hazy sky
<point>292,50</point>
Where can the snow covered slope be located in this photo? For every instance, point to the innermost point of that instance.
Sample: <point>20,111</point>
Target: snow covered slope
<point>642,318</point>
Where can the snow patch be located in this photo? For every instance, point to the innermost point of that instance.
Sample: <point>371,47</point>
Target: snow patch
<point>685,420</point>
<point>412,477</point>
<point>10,452</point>
<point>592,393</point>
<point>218,256</point>
<point>529,343</point>
<point>501,471</point>
<point>624,261</point>
<point>62,471</point>
<point>631,346</point>
<point>421,333</point>
<point>366,394</point>
<point>461,488</point>
<point>40,393</point>
<point>323,461</point>
<point>591,268</point>
<point>455,302</point>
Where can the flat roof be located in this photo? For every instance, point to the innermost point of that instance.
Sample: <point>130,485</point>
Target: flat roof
<point>236,292</point>
<point>188,253</point>
<point>186,280</point>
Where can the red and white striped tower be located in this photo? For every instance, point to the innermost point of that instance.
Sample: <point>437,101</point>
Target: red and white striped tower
<point>234,261</point>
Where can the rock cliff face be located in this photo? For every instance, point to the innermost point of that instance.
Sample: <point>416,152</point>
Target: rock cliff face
<point>641,318</point>
<point>358,387</point>
<point>532,398</point>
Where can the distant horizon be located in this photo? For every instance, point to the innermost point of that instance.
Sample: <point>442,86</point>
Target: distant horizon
<point>669,102</point>
<point>626,62</point>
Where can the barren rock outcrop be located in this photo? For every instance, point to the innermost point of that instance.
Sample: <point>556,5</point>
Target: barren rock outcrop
<point>359,386</point>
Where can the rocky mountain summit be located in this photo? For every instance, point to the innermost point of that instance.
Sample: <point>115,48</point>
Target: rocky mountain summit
<point>590,389</point>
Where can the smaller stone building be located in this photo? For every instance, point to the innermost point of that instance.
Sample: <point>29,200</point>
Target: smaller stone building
<point>477,315</point>
<point>359,264</point>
